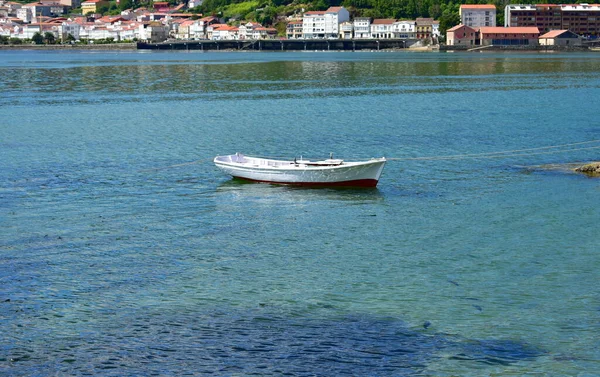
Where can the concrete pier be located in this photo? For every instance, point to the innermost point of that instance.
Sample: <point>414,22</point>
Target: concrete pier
<point>282,45</point>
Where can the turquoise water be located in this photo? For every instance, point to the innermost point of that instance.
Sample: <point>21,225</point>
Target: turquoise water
<point>119,256</point>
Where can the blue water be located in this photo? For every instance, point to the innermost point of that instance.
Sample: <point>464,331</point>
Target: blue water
<point>124,251</point>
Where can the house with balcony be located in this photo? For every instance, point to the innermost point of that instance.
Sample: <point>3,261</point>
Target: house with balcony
<point>324,24</point>
<point>404,29</point>
<point>427,28</point>
<point>69,28</point>
<point>264,33</point>
<point>346,30</point>
<point>382,28</point>
<point>222,32</point>
<point>246,31</point>
<point>362,27</point>
<point>294,29</point>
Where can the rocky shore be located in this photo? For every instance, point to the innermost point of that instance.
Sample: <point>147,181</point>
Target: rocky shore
<point>591,169</point>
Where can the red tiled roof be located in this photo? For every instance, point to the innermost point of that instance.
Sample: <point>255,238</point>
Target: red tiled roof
<point>315,12</point>
<point>478,6</point>
<point>508,30</point>
<point>225,28</point>
<point>383,21</point>
<point>553,33</point>
<point>457,27</point>
<point>333,9</point>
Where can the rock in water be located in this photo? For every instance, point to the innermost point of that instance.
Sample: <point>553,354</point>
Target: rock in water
<point>592,169</point>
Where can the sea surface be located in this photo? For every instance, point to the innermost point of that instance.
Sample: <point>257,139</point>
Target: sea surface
<point>124,251</point>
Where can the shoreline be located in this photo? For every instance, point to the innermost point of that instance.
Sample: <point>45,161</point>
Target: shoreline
<point>108,46</point>
<point>440,48</point>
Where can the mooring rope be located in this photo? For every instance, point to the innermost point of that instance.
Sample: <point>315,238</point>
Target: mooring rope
<point>499,154</point>
<point>177,165</point>
<point>503,154</point>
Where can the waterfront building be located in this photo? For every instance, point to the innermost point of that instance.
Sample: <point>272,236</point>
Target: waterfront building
<point>29,30</point>
<point>294,29</point>
<point>246,31</point>
<point>225,32</point>
<point>382,28</point>
<point>153,32</point>
<point>264,33</point>
<point>461,35</point>
<point>582,19</point>
<point>404,29</point>
<point>324,24</point>
<point>362,27</point>
<point>509,36</point>
<point>69,28</point>
<point>346,30</point>
<point>426,29</point>
<point>560,38</point>
<point>210,30</point>
<point>477,15</point>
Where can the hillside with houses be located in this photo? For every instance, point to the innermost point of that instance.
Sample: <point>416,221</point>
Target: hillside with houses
<point>474,25</point>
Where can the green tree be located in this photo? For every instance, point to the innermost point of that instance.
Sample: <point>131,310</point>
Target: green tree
<point>16,41</point>
<point>3,40</point>
<point>125,4</point>
<point>49,38</point>
<point>449,17</point>
<point>37,38</point>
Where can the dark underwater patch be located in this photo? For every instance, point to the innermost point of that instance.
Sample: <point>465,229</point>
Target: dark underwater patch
<point>256,342</point>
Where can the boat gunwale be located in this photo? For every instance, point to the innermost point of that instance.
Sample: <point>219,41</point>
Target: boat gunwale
<point>294,166</point>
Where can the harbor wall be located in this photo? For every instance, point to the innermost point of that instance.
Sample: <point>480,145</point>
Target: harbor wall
<point>282,45</point>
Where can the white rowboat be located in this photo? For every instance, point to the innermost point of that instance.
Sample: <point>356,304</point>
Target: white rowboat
<point>329,172</point>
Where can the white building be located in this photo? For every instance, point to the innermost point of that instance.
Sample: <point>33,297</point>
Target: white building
<point>477,15</point>
<point>382,28</point>
<point>247,30</point>
<point>324,24</point>
<point>406,29</point>
<point>25,15</point>
<point>362,28</point>
<point>69,28</point>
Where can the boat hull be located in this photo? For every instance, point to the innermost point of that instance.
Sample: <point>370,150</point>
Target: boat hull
<point>345,174</point>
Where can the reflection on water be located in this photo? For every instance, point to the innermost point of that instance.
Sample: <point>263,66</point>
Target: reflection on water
<point>242,187</point>
<point>296,75</point>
